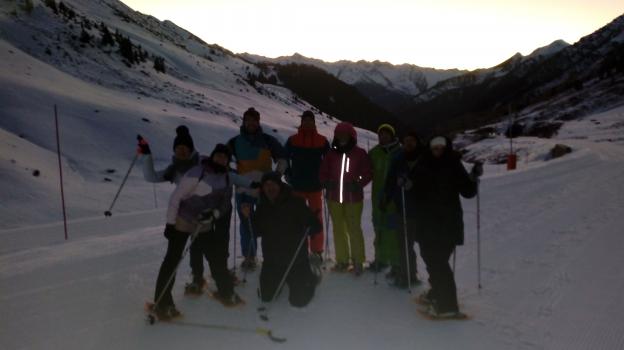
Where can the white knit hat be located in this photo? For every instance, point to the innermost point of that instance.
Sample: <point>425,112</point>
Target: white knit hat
<point>438,141</point>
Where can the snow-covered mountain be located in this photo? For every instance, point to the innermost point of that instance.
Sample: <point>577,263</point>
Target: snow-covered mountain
<point>405,78</point>
<point>384,83</point>
<point>556,83</point>
<point>550,49</point>
<point>479,75</point>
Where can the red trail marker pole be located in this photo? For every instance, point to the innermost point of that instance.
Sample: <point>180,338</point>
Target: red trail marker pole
<point>58,151</point>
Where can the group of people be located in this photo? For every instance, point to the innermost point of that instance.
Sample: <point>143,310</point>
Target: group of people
<point>415,197</point>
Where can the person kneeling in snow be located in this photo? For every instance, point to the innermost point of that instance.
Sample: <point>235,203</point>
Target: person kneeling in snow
<point>197,205</point>
<point>284,221</point>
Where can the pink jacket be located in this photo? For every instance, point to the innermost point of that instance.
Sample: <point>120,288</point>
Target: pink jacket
<point>345,171</point>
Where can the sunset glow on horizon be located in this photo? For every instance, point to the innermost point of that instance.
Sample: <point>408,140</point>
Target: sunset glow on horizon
<point>439,34</point>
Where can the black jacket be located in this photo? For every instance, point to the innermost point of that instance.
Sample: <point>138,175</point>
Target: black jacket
<point>282,224</point>
<point>438,183</point>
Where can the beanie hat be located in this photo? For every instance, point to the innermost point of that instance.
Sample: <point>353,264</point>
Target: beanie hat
<point>307,114</point>
<point>251,112</point>
<point>272,176</point>
<point>221,148</point>
<point>183,138</point>
<point>438,141</point>
<point>388,127</point>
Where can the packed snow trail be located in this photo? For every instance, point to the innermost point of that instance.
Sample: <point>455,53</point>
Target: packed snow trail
<point>551,241</point>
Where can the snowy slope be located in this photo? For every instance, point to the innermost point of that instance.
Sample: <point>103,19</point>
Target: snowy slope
<point>550,236</point>
<point>551,277</point>
<point>104,104</point>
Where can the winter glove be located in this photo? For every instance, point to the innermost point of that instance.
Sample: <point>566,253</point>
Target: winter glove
<point>207,217</point>
<point>170,231</point>
<point>477,171</point>
<point>405,182</point>
<point>255,185</point>
<point>245,209</point>
<point>143,146</point>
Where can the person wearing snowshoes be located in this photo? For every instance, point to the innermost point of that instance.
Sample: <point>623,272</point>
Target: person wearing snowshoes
<point>438,180</point>
<point>398,179</point>
<point>196,207</point>
<point>305,151</point>
<point>385,215</point>
<point>345,171</point>
<point>284,220</point>
<point>254,152</point>
<point>184,158</point>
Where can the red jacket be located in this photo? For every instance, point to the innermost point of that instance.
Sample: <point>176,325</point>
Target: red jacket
<point>346,170</point>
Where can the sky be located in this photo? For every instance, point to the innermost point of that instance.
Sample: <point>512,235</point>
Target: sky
<point>466,34</point>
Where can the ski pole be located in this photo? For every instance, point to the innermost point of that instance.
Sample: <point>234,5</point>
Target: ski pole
<point>407,259</point>
<point>252,246</point>
<point>194,235</point>
<point>235,232</point>
<point>155,197</point>
<point>265,308</point>
<point>123,183</point>
<point>478,236</point>
<point>376,262</point>
<point>58,152</point>
<point>327,247</point>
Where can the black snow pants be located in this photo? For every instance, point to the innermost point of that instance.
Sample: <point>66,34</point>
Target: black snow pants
<point>441,278</point>
<point>301,282</point>
<point>197,249</point>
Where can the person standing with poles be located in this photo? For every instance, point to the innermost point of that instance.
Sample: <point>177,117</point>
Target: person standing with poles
<point>305,151</point>
<point>438,180</point>
<point>385,215</point>
<point>397,182</point>
<point>344,173</point>
<point>203,195</point>
<point>284,222</point>
<point>185,157</point>
<point>254,152</point>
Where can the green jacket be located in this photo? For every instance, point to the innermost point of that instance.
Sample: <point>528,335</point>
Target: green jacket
<point>382,157</point>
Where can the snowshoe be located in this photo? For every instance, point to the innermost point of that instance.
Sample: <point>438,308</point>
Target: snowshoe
<point>196,287</point>
<point>316,259</point>
<point>431,313</point>
<point>357,270</point>
<point>341,267</point>
<point>424,299</point>
<point>249,264</point>
<point>162,313</point>
<point>229,301</point>
<point>377,266</point>
<point>393,273</point>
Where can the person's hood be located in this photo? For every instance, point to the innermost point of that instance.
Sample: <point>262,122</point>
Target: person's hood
<point>347,128</point>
